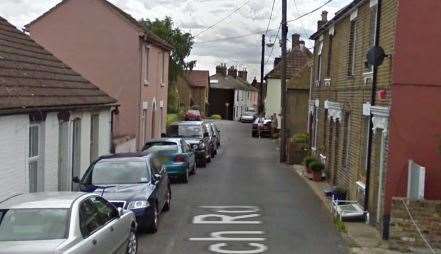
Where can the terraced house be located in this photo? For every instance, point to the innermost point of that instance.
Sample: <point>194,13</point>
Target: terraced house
<point>364,120</point>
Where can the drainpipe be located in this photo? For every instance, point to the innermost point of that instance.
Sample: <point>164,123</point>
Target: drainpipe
<point>373,97</point>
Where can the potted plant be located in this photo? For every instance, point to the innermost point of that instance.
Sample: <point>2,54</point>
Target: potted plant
<point>316,168</point>
<point>307,161</point>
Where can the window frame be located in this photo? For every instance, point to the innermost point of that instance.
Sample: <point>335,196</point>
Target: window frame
<point>373,33</point>
<point>146,65</point>
<point>36,158</point>
<point>352,47</point>
<point>162,56</point>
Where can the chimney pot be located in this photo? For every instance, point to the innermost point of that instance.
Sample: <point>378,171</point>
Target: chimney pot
<point>324,16</point>
<point>277,61</point>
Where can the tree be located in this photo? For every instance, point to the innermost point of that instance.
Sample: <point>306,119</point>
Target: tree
<point>182,43</point>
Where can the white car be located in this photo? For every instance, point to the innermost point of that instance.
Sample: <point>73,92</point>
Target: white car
<point>65,222</point>
<point>248,117</point>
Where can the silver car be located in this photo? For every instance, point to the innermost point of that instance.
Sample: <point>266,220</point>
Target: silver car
<point>65,222</point>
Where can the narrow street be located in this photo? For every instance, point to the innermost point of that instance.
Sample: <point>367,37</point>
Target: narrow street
<point>246,172</point>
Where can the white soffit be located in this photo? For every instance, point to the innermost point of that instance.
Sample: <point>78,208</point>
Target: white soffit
<point>354,14</point>
<point>373,3</point>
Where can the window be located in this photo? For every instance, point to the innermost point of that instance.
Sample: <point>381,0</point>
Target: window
<point>35,167</point>
<point>346,141</point>
<point>366,130</point>
<point>89,218</point>
<point>94,137</point>
<point>76,149</point>
<point>325,127</point>
<point>328,68</point>
<point>319,62</point>
<point>352,48</point>
<point>146,64</point>
<point>162,62</point>
<point>373,33</point>
<point>106,211</point>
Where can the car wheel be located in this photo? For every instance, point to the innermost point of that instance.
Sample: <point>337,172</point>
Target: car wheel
<point>167,205</point>
<point>185,176</point>
<point>154,220</point>
<point>132,246</point>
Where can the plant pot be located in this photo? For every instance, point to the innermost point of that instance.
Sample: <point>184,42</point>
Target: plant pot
<point>317,176</point>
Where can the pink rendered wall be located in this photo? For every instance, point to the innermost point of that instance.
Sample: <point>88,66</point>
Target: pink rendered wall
<point>106,49</point>
<point>415,123</point>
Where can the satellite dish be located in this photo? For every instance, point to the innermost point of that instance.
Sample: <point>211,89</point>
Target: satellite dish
<point>375,56</point>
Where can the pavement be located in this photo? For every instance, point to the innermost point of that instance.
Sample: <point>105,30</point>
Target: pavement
<point>245,201</point>
<point>361,238</point>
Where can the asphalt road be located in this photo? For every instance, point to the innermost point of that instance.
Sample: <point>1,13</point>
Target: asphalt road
<point>270,209</point>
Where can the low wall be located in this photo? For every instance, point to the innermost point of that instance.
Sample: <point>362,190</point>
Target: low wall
<point>404,233</point>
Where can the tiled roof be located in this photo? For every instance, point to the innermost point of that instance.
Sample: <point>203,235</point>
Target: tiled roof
<point>219,81</point>
<point>198,78</point>
<point>150,36</point>
<point>296,61</point>
<point>31,77</point>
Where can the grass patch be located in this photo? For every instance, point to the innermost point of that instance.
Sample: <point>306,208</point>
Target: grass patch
<point>340,225</point>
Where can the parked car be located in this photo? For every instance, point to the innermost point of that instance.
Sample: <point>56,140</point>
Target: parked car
<point>193,115</point>
<point>134,181</point>
<point>196,134</point>
<point>176,154</point>
<point>261,126</point>
<point>212,140</point>
<point>65,222</point>
<point>216,133</point>
<point>248,117</point>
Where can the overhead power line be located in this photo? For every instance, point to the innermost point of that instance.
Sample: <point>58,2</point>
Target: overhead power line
<point>260,32</point>
<point>223,19</point>
<point>274,45</point>
<point>271,16</point>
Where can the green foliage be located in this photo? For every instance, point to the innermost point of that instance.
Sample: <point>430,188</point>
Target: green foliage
<point>182,43</point>
<point>173,118</point>
<point>215,117</point>
<point>316,166</point>
<point>308,160</point>
<point>340,225</point>
<point>173,101</point>
<point>301,138</point>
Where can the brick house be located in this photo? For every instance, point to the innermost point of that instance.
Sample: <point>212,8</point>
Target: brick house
<point>404,115</point>
<point>113,50</point>
<point>297,57</point>
<point>199,81</point>
<point>230,94</point>
<point>53,122</point>
<point>340,100</point>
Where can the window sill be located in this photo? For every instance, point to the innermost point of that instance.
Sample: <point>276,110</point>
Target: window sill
<point>146,83</point>
<point>162,84</point>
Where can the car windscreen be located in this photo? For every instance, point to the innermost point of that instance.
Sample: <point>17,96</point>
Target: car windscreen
<point>185,131</point>
<point>249,113</point>
<point>158,143</point>
<point>33,224</point>
<point>119,172</point>
<point>163,149</point>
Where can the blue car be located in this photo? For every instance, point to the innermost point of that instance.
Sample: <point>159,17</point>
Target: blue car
<point>133,181</point>
<point>176,155</point>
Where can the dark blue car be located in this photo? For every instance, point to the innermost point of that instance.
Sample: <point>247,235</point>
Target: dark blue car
<point>137,182</point>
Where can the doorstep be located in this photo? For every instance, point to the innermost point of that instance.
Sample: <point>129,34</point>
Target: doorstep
<point>361,238</point>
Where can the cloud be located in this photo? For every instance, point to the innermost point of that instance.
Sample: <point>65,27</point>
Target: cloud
<point>196,15</point>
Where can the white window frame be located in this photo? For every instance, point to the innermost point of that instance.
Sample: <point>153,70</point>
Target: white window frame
<point>162,56</point>
<point>38,158</point>
<point>354,46</point>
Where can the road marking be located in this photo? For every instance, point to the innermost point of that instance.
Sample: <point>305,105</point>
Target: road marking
<point>223,239</point>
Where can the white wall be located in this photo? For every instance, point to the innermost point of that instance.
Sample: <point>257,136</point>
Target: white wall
<point>14,135</point>
<point>14,149</point>
<point>273,99</point>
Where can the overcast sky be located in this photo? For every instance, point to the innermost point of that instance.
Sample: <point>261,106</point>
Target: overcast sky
<point>196,15</point>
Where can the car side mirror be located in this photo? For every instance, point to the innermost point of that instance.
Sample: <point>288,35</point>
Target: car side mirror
<point>76,179</point>
<point>120,211</point>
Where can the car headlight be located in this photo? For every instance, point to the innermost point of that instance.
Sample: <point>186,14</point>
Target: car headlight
<point>138,204</point>
<point>201,145</point>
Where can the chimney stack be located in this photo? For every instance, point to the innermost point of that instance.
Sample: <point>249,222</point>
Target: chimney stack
<point>243,75</point>
<point>296,41</point>
<point>221,69</point>
<point>323,21</point>
<point>232,71</point>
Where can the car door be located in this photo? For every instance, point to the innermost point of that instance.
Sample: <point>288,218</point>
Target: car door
<point>160,187</point>
<point>97,234</point>
<point>117,230</point>
<point>186,149</point>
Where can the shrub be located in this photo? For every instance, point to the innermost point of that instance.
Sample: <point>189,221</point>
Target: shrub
<point>308,160</point>
<point>316,166</point>
<point>216,117</point>
<point>301,138</point>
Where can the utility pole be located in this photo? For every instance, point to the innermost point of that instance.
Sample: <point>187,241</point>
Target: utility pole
<point>283,84</point>
<point>262,70</point>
